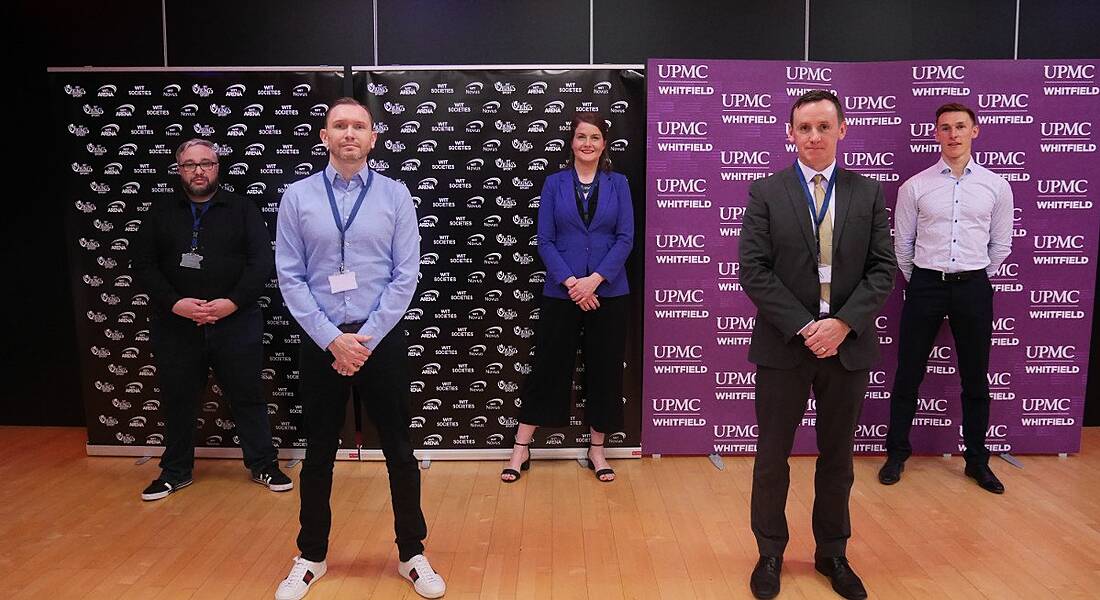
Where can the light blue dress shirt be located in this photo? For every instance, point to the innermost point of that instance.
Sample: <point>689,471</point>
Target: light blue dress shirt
<point>382,247</point>
<point>953,225</point>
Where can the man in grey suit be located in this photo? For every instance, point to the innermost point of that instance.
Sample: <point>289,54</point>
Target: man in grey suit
<point>818,263</point>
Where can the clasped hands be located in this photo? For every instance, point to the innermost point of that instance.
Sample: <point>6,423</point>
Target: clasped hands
<point>203,312</point>
<point>582,290</point>
<point>350,353</point>
<point>824,337</point>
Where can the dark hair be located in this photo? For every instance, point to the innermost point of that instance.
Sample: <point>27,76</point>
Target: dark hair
<point>955,107</point>
<point>818,96</point>
<point>596,121</point>
<point>347,100</point>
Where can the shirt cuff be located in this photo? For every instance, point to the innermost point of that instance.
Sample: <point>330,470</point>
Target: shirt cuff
<point>327,334</point>
<point>375,339</point>
<point>805,326</point>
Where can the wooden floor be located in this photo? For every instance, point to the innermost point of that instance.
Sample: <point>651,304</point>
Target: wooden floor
<point>72,526</point>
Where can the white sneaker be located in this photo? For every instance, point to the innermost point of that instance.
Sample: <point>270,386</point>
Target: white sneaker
<point>302,575</point>
<point>425,580</point>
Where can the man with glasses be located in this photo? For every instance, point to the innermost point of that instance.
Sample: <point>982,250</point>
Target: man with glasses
<point>204,256</point>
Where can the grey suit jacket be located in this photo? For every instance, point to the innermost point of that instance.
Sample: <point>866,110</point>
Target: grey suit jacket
<point>779,267</point>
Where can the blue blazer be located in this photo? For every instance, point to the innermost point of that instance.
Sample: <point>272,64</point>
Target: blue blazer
<point>568,248</point>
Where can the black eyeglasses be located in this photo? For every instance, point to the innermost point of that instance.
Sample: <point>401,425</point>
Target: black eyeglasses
<point>207,165</point>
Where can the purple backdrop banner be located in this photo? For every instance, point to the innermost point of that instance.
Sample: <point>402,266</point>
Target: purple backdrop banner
<point>715,126</point>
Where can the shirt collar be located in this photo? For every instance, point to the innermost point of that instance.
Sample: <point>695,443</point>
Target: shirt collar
<point>945,169</point>
<point>809,173</point>
<point>332,175</point>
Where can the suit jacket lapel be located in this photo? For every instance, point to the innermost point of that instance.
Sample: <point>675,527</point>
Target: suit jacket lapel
<point>797,197</point>
<point>569,193</point>
<point>605,194</point>
<point>842,197</point>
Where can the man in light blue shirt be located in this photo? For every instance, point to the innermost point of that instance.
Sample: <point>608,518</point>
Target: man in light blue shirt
<point>347,254</point>
<point>953,229</point>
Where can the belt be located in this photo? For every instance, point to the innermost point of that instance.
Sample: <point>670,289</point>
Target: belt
<point>351,327</point>
<point>960,276</point>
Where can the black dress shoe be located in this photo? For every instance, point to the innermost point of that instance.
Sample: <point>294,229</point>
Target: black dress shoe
<point>890,473</point>
<point>844,579</point>
<point>764,582</point>
<point>985,478</point>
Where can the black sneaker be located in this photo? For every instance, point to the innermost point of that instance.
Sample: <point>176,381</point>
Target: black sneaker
<point>160,488</point>
<point>273,478</point>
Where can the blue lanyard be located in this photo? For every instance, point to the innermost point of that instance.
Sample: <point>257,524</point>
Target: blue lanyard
<point>196,221</point>
<point>818,216</point>
<point>343,227</point>
<point>577,187</point>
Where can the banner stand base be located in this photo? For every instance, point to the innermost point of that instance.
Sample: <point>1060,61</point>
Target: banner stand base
<point>297,454</point>
<point>1063,455</point>
<point>716,460</point>
<point>1012,460</point>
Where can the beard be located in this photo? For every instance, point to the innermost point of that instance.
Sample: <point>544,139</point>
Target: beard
<point>205,189</point>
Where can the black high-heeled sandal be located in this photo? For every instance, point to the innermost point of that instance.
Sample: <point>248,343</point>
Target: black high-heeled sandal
<point>523,467</point>
<point>600,473</point>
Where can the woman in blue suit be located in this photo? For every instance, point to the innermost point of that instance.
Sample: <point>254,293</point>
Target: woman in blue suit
<point>585,234</point>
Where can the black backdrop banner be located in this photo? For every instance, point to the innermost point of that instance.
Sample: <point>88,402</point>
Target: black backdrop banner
<point>473,147</point>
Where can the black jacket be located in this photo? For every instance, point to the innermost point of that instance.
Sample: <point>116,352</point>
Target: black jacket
<point>233,240</point>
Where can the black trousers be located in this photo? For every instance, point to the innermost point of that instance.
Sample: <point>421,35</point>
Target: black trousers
<point>383,385</point>
<point>781,396</point>
<point>185,352</point>
<point>546,391</point>
<point>968,305</point>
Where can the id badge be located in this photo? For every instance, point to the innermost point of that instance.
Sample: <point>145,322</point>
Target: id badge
<point>825,273</point>
<point>191,260</point>
<point>343,282</point>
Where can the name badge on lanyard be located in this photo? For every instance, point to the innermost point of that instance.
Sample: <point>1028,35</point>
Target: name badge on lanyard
<point>344,279</point>
<point>343,282</point>
<point>192,259</point>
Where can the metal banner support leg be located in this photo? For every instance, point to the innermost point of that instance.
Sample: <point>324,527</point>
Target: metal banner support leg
<point>716,460</point>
